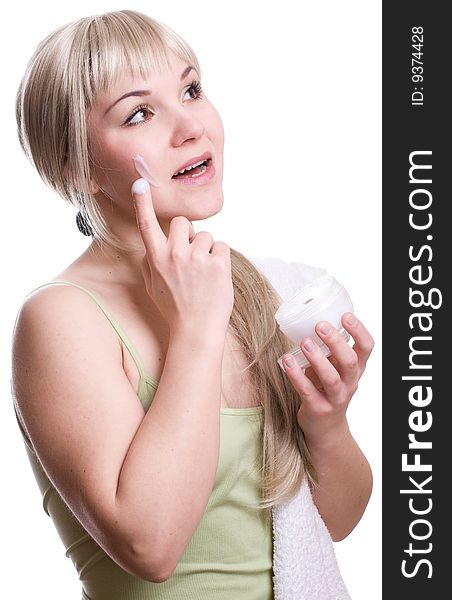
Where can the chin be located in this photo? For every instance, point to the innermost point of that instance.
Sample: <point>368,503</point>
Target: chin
<point>204,210</point>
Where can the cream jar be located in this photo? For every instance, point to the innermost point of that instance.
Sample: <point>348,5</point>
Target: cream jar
<point>324,299</point>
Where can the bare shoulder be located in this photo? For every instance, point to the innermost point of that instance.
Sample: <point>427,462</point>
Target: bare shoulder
<point>62,315</point>
<point>60,300</point>
<point>55,325</point>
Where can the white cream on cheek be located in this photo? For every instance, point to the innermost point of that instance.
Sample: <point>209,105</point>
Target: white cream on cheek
<point>143,169</point>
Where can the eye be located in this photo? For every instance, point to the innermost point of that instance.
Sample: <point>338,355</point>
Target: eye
<point>143,113</point>
<point>140,115</point>
<point>197,90</point>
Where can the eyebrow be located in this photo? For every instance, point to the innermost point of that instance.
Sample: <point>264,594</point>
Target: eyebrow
<point>141,93</point>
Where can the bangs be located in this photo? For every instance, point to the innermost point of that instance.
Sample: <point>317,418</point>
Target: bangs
<point>127,42</point>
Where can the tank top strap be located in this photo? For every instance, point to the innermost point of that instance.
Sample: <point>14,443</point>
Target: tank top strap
<point>121,333</point>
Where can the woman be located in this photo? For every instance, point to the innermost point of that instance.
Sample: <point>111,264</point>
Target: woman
<point>163,462</point>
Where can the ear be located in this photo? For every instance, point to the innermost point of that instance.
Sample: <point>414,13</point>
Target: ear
<point>93,186</point>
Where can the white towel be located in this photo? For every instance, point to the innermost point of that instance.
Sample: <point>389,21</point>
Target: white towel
<point>304,562</point>
<point>287,277</point>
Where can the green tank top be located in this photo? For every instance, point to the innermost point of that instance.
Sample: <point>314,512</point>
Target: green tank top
<point>230,554</point>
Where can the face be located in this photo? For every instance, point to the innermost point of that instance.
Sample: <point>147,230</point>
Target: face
<point>168,121</point>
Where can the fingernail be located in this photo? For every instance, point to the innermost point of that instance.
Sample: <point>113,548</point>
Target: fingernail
<point>289,362</point>
<point>141,186</point>
<point>308,345</point>
<point>324,327</point>
<point>350,319</point>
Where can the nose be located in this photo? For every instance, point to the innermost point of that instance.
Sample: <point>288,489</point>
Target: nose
<point>186,126</point>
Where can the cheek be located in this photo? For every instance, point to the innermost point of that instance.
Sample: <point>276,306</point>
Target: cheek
<point>217,127</point>
<point>112,167</point>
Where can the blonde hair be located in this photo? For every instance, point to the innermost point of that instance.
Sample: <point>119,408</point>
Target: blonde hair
<point>63,78</point>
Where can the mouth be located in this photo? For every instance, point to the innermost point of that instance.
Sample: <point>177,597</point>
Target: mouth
<point>192,162</point>
<point>196,171</point>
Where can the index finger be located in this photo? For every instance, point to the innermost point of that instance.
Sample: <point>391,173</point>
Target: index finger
<point>149,227</point>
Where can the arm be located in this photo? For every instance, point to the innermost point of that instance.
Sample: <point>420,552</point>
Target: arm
<point>326,388</point>
<point>344,482</point>
<point>169,471</point>
<point>137,482</point>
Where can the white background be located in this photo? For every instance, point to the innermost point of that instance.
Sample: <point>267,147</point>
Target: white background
<point>298,87</point>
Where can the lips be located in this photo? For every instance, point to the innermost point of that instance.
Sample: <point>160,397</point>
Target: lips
<point>191,161</point>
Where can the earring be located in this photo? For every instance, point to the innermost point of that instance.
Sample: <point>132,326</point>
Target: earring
<point>82,225</point>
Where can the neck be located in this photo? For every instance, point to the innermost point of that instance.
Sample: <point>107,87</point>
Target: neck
<point>115,265</point>
<point>118,265</point>
<point>109,263</point>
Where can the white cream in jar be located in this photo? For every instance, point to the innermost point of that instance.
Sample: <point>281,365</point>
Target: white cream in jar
<point>324,299</point>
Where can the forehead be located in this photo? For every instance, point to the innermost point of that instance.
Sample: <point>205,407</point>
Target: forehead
<point>127,79</point>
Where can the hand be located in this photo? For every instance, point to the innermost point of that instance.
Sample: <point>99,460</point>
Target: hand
<point>187,275</point>
<point>327,386</point>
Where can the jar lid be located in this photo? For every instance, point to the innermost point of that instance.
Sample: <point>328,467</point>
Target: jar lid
<point>309,300</point>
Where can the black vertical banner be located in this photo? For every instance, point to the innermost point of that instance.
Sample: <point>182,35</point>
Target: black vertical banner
<point>417,349</point>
